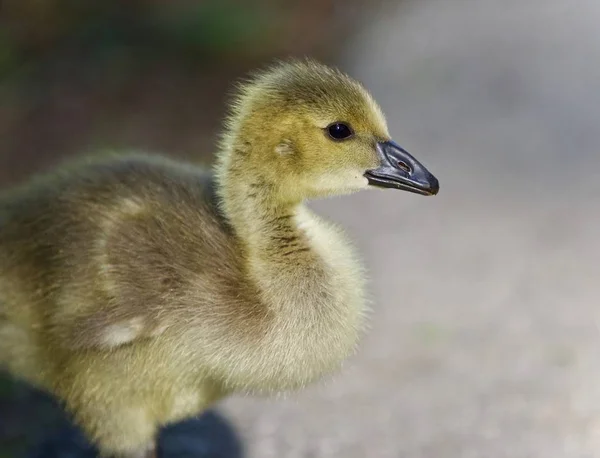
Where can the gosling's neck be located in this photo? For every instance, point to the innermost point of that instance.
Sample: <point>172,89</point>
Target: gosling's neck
<point>303,268</point>
<point>267,226</point>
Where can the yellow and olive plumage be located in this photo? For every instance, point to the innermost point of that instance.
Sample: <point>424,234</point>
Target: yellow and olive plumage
<point>139,290</point>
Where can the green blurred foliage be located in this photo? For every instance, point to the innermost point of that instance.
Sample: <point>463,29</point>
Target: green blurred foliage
<point>30,29</point>
<point>215,26</point>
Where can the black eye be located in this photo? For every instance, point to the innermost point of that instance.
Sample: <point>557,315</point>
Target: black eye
<point>339,131</point>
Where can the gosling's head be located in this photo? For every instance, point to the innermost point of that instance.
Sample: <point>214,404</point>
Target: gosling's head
<point>303,130</point>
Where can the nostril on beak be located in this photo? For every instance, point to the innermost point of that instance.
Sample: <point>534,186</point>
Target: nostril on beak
<point>404,166</point>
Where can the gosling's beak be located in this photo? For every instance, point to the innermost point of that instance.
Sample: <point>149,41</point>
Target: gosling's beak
<point>400,170</point>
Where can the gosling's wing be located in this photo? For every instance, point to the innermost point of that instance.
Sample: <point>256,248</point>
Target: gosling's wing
<point>107,331</point>
<point>164,250</point>
<point>118,248</point>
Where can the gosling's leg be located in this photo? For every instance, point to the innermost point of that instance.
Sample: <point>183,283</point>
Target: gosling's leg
<point>148,452</point>
<point>124,432</point>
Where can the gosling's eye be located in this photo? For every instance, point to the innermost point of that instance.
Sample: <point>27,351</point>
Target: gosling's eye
<point>339,131</point>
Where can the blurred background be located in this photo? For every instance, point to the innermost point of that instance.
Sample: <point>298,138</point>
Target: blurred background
<point>489,344</point>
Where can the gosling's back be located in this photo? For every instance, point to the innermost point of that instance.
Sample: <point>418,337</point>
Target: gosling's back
<point>126,237</point>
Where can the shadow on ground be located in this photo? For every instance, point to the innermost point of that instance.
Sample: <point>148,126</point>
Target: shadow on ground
<point>32,425</point>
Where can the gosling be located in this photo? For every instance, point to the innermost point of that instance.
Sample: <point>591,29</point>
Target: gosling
<point>140,290</point>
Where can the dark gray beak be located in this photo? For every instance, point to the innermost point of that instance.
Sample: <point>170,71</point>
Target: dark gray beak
<point>400,170</point>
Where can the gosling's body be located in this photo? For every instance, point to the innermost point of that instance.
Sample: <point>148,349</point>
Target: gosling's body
<point>134,251</point>
<point>140,290</point>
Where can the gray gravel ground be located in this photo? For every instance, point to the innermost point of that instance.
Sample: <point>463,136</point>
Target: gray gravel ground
<point>485,339</point>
